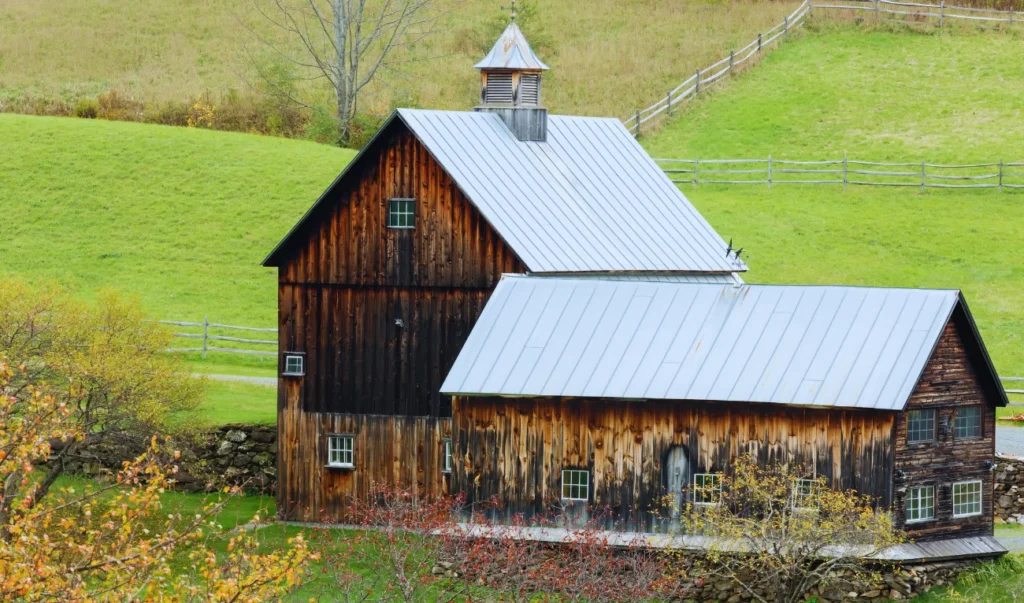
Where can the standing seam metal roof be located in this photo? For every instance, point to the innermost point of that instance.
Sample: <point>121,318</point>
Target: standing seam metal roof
<point>854,347</point>
<point>589,199</point>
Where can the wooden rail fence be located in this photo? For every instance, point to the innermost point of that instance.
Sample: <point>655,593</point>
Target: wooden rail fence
<point>206,337</point>
<point>891,10</point>
<point>845,172</point>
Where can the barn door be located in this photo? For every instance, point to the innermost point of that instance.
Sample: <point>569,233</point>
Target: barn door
<point>677,476</point>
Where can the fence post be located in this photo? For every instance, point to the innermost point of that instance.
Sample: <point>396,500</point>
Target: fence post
<point>810,7</point>
<point>785,25</point>
<point>696,90</point>
<point>206,333</point>
<point>922,175</point>
<point>668,101</point>
<point>876,9</point>
<point>759,42</point>
<point>1000,175</point>
<point>769,171</point>
<point>696,168</point>
<point>942,13</point>
<point>637,133</point>
<point>731,57</point>
<point>845,172</point>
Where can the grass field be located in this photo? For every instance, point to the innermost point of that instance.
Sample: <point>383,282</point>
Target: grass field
<point>606,60</point>
<point>229,402</point>
<point>853,89</point>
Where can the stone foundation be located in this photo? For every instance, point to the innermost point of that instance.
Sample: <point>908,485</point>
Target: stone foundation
<point>1009,489</point>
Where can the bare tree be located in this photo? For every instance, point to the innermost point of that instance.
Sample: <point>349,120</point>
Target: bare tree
<point>345,42</point>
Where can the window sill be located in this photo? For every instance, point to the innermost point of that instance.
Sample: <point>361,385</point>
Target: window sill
<point>967,516</point>
<point>293,374</point>
<point>342,466</point>
<point>915,522</point>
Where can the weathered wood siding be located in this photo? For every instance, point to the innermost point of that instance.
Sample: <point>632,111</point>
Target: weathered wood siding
<point>949,381</point>
<point>387,450</point>
<point>344,286</point>
<point>515,449</point>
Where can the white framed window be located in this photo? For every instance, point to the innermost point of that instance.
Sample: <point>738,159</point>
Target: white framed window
<point>707,488</point>
<point>446,456</point>
<point>294,364</point>
<point>968,422</point>
<point>967,499</point>
<point>920,503</point>
<point>575,484</point>
<point>803,493</point>
<point>401,213</point>
<point>340,450</point>
<point>921,425</point>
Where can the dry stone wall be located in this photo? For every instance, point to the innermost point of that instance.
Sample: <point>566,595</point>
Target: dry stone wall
<point>1009,489</point>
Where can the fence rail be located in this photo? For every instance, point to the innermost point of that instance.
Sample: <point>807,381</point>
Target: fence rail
<point>208,337</point>
<point>892,10</point>
<point>1001,175</point>
<point>716,72</point>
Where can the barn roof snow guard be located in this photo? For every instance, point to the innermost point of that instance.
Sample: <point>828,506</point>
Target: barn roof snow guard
<point>589,199</point>
<point>853,347</point>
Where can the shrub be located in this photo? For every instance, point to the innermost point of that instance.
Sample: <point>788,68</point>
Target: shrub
<point>115,106</point>
<point>202,114</point>
<point>86,108</point>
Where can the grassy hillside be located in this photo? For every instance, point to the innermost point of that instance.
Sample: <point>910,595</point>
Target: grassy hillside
<point>180,217</point>
<point>606,60</point>
<point>878,95</point>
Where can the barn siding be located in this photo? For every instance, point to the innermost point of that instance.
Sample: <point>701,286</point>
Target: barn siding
<point>515,449</point>
<point>948,382</point>
<point>387,450</point>
<point>342,289</point>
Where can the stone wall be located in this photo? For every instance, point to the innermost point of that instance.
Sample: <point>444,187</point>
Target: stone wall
<point>1009,489</point>
<point>231,455</point>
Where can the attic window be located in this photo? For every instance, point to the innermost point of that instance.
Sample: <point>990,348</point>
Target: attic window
<point>401,213</point>
<point>529,89</point>
<point>294,364</point>
<point>499,88</point>
<point>968,422</point>
<point>921,425</point>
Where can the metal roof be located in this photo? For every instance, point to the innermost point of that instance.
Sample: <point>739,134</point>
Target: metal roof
<point>855,347</point>
<point>511,51</point>
<point>589,199</point>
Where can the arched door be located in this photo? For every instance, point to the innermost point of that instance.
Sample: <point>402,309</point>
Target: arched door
<point>677,476</point>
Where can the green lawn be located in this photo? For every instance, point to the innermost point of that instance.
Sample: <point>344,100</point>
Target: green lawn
<point>878,95</point>
<point>231,402</point>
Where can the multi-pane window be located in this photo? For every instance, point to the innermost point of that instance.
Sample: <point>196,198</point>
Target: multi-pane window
<point>294,365</point>
<point>968,422</point>
<point>575,484</point>
<point>707,488</point>
<point>966,499</point>
<point>446,458</point>
<point>920,503</point>
<point>921,425</point>
<point>401,213</point>
<point>803,493</point>
<point>339,451</point>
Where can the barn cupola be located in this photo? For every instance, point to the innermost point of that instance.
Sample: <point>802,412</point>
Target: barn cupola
<point>510,78</point>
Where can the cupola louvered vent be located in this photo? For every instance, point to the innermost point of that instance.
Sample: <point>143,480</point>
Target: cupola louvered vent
<point>529,89</point>
<point>499,88</point>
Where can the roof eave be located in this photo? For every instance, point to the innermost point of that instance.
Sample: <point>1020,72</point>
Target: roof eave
<point>271,261</point>
<point>990,367</point>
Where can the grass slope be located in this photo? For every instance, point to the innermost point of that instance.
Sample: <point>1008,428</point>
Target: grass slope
<point>853,89</point>
<point>608,59</point>
<point>181,218</point>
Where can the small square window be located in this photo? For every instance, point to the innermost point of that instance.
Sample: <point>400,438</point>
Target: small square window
<point>707,488</point>
<point>921,425</point>
<point>294,365</point>
<point>575,485</point>
<point>401,213</point>
<point>340,451</point>
<point>967,499</point>
<point>446,459</point>
<point>920,503</point>
<point>968,422</point>
<point>804,491</point>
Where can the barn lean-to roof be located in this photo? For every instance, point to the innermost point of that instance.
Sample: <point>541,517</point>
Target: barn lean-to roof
<point>850,347</point>
<point>589,199</point>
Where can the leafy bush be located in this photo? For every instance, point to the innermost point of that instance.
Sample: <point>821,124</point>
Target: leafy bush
<point>86,108</point>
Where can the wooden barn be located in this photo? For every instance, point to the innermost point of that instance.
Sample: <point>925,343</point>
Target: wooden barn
<point>594,339</point>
